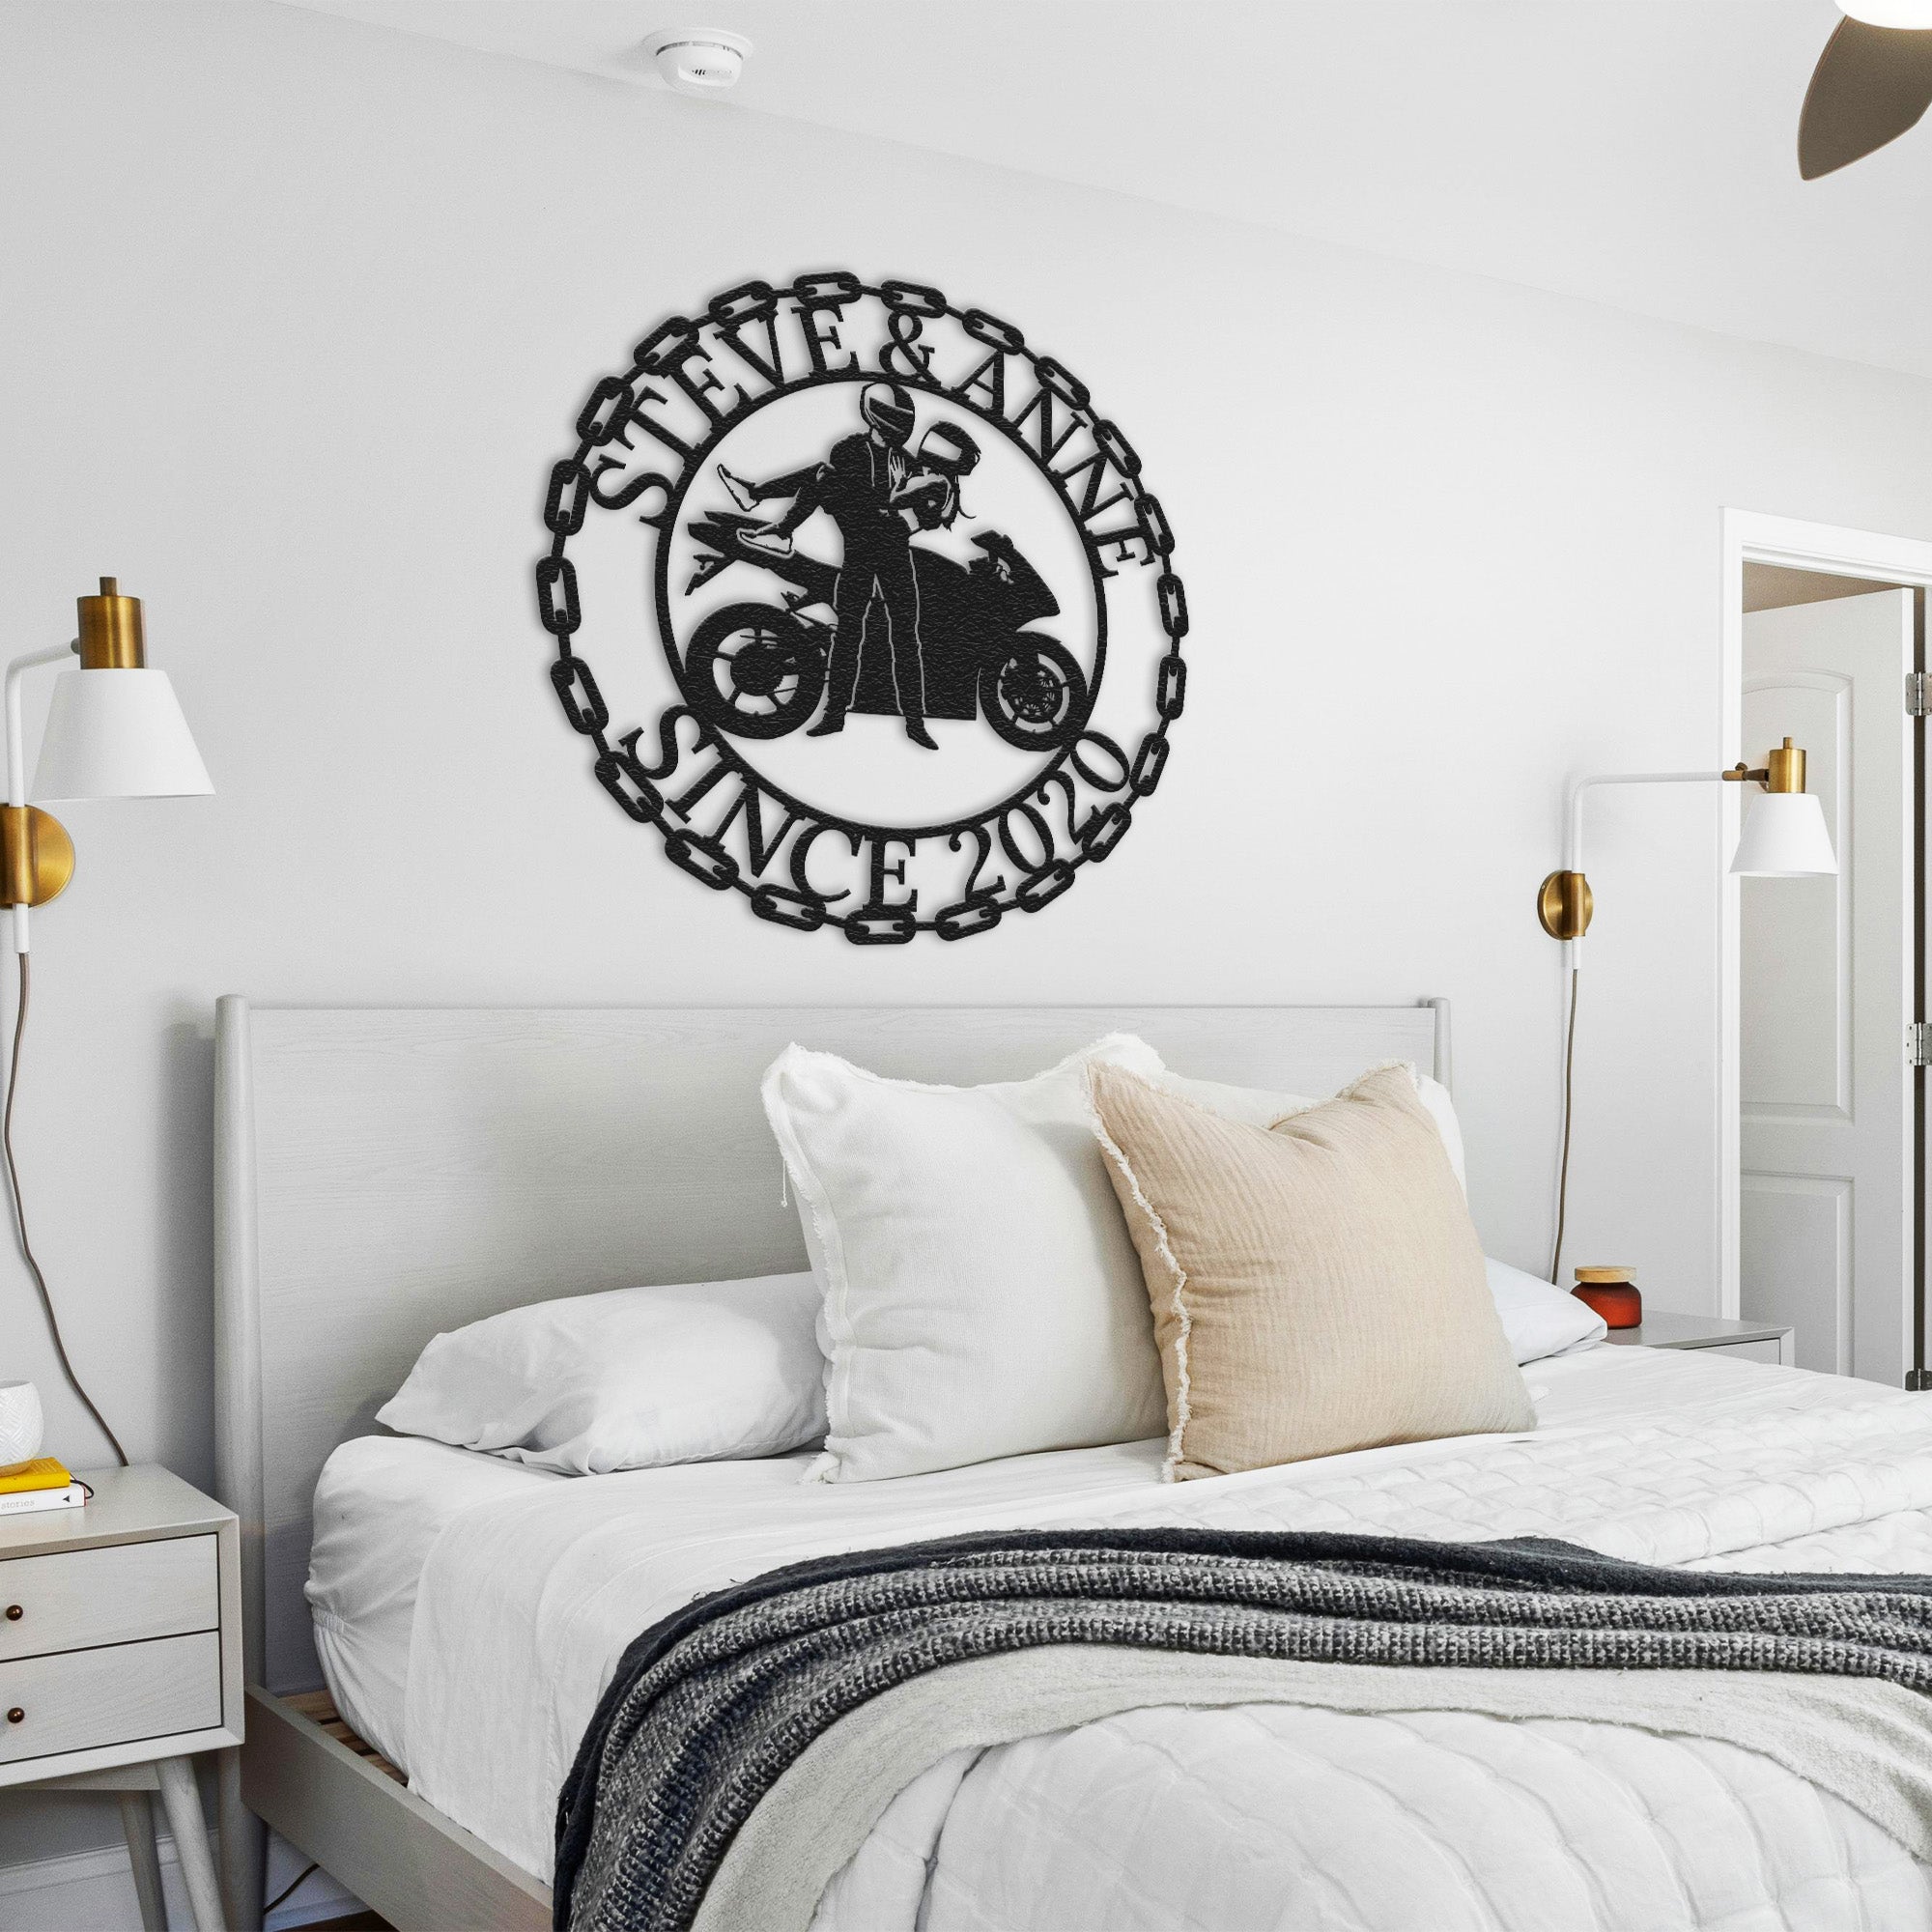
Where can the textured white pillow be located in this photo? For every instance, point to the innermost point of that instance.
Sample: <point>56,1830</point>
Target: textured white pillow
<point>1540,1320</point>
<point>1259,1108</point>
<point>982,1296</point>
<point>632,1378</point>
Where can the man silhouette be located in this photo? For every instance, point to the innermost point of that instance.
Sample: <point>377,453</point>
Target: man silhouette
<point>856,487</point>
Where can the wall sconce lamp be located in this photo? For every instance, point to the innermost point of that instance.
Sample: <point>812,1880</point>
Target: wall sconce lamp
<point>115,730</point>
<point>1785,838</point>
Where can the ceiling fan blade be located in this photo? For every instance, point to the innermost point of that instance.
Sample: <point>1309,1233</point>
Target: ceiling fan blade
<point>1872,84</point>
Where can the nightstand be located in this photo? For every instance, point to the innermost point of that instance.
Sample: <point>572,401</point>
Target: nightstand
<point>1756,1341</point>
<point>120,1655</point>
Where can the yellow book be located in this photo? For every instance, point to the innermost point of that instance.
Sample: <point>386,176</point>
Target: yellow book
<point>43,1472</point>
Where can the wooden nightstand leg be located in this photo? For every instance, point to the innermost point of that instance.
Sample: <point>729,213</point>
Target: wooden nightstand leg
<point>182,1805</point>
<point>244,1850</point>
<point>137,1821</point>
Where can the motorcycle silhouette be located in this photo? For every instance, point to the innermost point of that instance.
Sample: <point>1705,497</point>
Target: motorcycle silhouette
<point>758,670</point>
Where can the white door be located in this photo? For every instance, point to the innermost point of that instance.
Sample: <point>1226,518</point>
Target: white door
<point>1827,988</point>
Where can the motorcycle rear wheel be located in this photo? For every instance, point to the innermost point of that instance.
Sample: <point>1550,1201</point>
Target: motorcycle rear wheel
<point>754,672</point>
<point>1033,693</point>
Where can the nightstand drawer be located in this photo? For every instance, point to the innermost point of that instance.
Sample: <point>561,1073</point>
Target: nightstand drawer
<point>83,1698</point>
<point>73,1599</point>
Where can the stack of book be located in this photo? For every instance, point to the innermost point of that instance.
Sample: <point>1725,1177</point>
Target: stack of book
<point>43,1484</point>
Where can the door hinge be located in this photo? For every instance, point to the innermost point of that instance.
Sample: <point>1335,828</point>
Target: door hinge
<point>1917,1378</point>
<point>1918,694</point>
<point>1918,1043</point>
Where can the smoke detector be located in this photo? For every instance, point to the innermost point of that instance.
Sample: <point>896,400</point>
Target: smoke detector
<point>703,61</point>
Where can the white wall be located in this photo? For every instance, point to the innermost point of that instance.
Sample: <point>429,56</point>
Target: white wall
<point>296,317</point>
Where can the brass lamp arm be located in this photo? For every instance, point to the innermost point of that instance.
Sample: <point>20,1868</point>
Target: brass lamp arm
<point>36,854</point>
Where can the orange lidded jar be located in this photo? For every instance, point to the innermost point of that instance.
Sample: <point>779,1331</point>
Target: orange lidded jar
<point>1612,1291</point>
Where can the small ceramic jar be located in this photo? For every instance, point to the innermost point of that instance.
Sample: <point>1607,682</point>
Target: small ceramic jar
<point>19,1422</point>
<point>1612,1291</point>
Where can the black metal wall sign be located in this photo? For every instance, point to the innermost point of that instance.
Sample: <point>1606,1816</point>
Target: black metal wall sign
<point>911,629</point>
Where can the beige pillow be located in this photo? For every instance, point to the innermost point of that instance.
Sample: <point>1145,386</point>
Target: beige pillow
<point>1317,1286</point>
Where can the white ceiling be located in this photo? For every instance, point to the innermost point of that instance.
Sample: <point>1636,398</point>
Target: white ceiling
<point>1635,152</point>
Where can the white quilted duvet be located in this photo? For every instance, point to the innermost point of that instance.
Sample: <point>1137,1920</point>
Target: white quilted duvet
<point>1267,1815</point>
<point>1260,1815</point>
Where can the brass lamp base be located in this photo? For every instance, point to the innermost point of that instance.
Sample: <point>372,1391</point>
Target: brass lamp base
<point>1564,904</point>
<point>36,856</point>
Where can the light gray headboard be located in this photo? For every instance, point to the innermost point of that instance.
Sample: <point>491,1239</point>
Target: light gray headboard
<point>381,1176</point>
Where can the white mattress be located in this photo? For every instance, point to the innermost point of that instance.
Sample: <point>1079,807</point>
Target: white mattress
<point>518,1591</point>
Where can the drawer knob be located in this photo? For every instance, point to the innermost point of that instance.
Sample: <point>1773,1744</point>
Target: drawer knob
<point>17,1715</point>
<point>15,1613</point>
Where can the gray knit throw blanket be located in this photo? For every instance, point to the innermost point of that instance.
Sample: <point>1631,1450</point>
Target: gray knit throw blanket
<point>709,1707</point>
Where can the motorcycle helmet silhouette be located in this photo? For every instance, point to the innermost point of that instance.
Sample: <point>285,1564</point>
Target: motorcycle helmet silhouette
<point>949,450</point>
<point>886,408</point>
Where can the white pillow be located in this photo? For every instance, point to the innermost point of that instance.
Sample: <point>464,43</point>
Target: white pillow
<point>632,1378</point>
<point>1540,1320</point>
<point>982,1296</point>
<point>1261,1109</point>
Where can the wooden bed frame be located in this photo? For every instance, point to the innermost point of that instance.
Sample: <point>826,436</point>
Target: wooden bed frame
<point>381,1176</point>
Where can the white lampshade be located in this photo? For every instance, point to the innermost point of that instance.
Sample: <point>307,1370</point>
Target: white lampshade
<point>1910,14</point>
<point>118,734</point>
<point>1785,838</point>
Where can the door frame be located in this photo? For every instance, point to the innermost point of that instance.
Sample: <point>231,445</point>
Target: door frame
<point>1750,536</point>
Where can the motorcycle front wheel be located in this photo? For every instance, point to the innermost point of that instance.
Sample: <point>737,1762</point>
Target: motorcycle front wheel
<point>1033,693</point>
<point>754,672</point>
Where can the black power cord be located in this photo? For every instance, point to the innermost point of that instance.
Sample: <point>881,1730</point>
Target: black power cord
<point>20,1222</point>
<point>281,1898</point>
<point>1563,1177</point>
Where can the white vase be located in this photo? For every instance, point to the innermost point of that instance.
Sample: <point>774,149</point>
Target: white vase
<point>21,1423</point>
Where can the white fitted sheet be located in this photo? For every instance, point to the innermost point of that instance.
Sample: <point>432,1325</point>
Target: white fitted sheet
<point>380,1506</point>
<point>527,1587</point>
